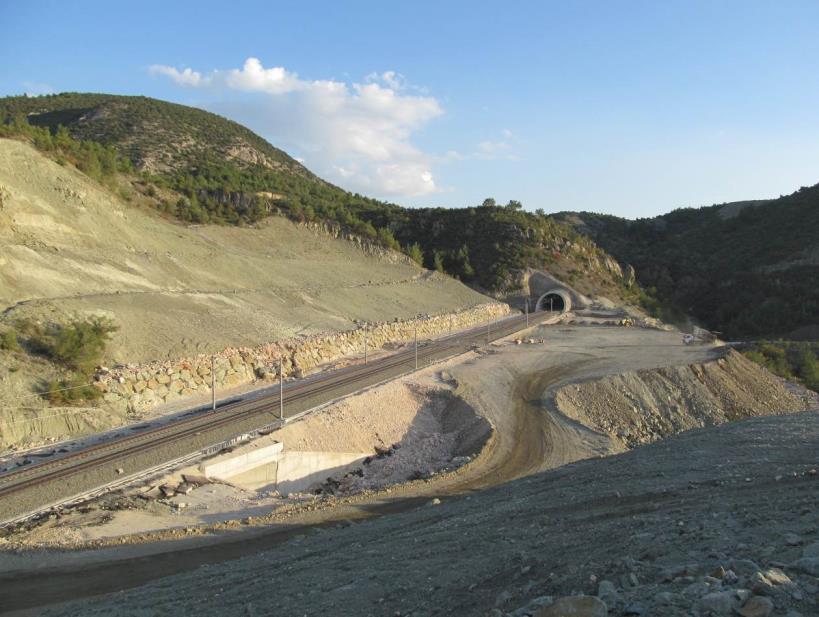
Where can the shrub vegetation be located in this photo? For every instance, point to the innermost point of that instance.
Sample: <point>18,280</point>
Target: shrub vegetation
<point>788,359</point>
<point>78,346</point>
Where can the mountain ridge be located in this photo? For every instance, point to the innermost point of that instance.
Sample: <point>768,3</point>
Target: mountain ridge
<point>747,268</point>
<point>487,247</point>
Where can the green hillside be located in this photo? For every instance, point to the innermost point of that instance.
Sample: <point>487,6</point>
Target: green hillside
<point>748,269</point>
<point>201,168</point>
<point>157,136</point>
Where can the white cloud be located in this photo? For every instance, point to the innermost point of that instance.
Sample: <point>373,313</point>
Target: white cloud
<point>187,77</point>
<point>501,149</point>
<point>358,134</point>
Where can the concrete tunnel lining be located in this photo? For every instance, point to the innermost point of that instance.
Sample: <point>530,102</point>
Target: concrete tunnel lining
<point>563,294</point>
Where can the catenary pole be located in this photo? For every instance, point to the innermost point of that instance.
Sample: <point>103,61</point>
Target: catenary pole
<point>281,388</point>
<point>416,348</point>
<point>213,382</point>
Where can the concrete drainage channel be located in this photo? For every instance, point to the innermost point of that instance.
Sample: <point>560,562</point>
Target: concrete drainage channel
<point>289,472</point>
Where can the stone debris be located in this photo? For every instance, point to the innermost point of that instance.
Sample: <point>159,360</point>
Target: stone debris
<point>575,606</point>
<point>642,407</point>
<point>757,606</point>
<point>185,488</point>
<point>607,592</point>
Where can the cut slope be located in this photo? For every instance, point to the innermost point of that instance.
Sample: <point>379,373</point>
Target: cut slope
<point>635,408</point>
<point>68,246</point>
<point>201,167</point>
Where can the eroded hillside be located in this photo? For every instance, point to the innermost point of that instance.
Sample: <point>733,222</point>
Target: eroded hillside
<point>69,246</point>
<point>200,168</point>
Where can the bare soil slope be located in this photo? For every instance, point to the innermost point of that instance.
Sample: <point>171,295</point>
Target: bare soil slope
<point>634,408</point>
<point>68,246</point>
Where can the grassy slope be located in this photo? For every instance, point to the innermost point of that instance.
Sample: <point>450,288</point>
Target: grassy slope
<point>746,271</point>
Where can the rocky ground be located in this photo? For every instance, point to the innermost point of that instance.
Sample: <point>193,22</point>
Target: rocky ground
<point>636,408</point>
<point>709,522</point>
<point>670,514</point>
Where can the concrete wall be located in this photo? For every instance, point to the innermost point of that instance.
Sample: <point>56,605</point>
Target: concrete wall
<point>297,471</point>
<point>270,466</point>
<point>225,467</point>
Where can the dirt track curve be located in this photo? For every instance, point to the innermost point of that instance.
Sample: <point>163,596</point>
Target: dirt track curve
<point>528,438</point>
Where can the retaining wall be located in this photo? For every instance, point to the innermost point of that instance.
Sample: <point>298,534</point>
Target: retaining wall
<point>142,387</point>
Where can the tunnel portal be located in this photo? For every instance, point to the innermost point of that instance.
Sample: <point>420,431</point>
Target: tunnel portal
<point>554,300</point>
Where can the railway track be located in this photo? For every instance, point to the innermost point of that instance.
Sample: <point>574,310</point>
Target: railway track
<point>297,397</point>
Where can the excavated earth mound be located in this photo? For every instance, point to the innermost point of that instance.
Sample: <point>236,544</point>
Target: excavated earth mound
<point>639,407</point>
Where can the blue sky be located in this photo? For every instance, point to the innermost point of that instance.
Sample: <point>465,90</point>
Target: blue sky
<point>632,108</point>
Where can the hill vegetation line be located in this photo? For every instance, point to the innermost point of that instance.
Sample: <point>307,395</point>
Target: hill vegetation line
<point>201,168</point>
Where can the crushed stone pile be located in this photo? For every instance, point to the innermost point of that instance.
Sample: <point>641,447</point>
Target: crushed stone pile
<point>640,407</point>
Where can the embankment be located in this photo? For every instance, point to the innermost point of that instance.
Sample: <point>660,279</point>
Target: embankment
<point>635,408</point>
<point>138,388</point>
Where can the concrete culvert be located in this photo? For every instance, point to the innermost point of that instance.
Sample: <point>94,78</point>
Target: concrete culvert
<point>558,300</point>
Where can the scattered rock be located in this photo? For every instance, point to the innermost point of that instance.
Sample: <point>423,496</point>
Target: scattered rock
<point>607,592</point>
<point>663,598</point>
<point>811,550</point>
<point>532,607</point>
<point>757,606</point>
<point>792,539</point>
<point>808,565</point>
<point>502,598</point>
<point>718,603</point>
<point>575,606</point>
<point>185,488</point>
<point>770,581</point>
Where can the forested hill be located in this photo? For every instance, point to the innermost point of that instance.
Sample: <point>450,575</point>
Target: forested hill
<point>748,269</point>
<point>157,136</point>
<point>201,168</point>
